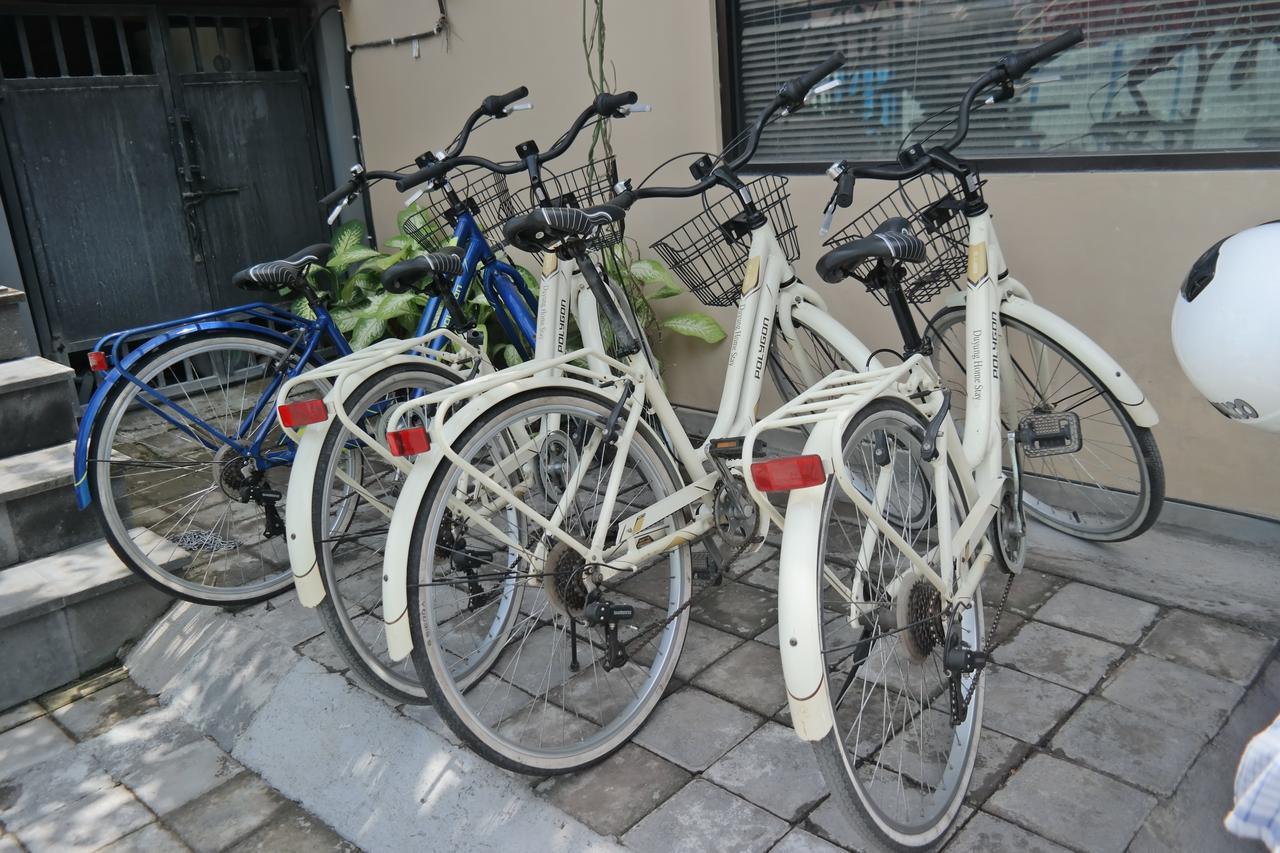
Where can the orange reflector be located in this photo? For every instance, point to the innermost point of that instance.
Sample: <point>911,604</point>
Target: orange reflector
<point>408,442</point>
<point>790,472</point>
<point>98,361</point>
<point>303,412</point>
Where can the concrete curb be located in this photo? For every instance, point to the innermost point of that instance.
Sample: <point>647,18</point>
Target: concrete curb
<point>379,778</point>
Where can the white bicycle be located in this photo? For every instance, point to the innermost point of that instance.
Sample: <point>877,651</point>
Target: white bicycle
<point>345,475</point>
<point>896,509</point>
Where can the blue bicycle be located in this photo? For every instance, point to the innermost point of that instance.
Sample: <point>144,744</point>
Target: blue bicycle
<point>180,451</point>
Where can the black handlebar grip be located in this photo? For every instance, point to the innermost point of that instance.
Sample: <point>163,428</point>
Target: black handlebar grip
<point>797,89</point>
<point>607,105</point>
<point>844,189</point>
<point>339,194</point>
<point>1017,64</point>
<point>495,106</point>
<point>401,277</point>
<point>428,173</point>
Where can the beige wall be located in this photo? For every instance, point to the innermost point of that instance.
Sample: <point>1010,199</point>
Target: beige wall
<point>1106,250</point>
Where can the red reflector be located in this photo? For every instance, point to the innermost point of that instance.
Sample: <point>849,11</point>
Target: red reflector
<point>98,361</point>
<point>303,412</point>
<point>791,472</point>
<point>408,442</point>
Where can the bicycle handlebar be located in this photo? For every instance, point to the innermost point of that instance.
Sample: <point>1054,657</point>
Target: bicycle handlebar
<point>605,106</point>
<point>1004,72</point>
<point>791,96</point>
<point>495,106</point>
<point>358,182</point>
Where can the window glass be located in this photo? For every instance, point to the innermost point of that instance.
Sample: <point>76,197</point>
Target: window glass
<point>1178,76</point>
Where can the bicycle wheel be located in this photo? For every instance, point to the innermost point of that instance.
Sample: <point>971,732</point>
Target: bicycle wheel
<point>1113,487</point>
<point>894,761</point>
<point>181,507</point>
<point>350,558</point>
<point>544,687</point>
<point>790,375</point>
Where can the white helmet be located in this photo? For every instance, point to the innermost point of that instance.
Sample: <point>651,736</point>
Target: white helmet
<point>1226,326</point>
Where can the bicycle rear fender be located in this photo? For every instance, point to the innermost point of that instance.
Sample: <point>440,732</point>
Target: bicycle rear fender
<point>1018,305</point>
<point>395,565</point>
<point>297,510</point>
<point>121,373</point>
<point>799,591</point>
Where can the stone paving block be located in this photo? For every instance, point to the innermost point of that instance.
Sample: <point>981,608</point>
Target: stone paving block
<point>799,841</point>
<point>284,619</point>
<point>693,729</point>
<point>97,712</point>
<point>1030,590</point>
<point>1063,657</point>
<point>497,698</point>
<point>1136,747</point>
<point>750,676</point>
<point>542,661</point>
<point>1191,820</point>
<point>615,794</point>
<point>168,649</point>
<point>1072,805</point>
<point>773,769</point>
<point>141,740</point>
<point>830,821</point>
<point>18,715</point>
<point>323,652</point>
<point>100,626</point>
<point>152,838</point>
<point>737,608</point>
<point>987,834</point>
<point>1089,610</point>
<point>30,743</point>
<point>180,776</point>
<point>1181,696</point>
<point>220,698</point>
<point>760,568</point>
<point>9,844</point>
<point>532,723</point>
<point>293,829</point>
<point>41,789</point>
<point>226,814</point>
<point>1024,706</point>
<point>1211,645</point>
<point>703,645</point>
<point>88,824</point>
<point>997,755</point>
<point>703,817</point>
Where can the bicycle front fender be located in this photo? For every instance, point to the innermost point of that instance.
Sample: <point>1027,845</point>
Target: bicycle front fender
<point>799,594</point>
<point>395,562</point>
<point>297,516</point>
<point>1092,356</point>
<point>123,372</point>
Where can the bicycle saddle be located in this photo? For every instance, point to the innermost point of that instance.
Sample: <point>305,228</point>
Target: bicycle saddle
<point>892,240</point>
<point>398,278</point>
<point>545,228</point>
<point>272,275</point>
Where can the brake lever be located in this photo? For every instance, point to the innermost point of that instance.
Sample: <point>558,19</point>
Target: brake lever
<point>337,210</point>
<point>520,107</point>
<point>635,108</point>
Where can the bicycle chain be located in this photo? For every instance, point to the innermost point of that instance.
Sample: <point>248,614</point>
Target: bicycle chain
<point>990,645</point>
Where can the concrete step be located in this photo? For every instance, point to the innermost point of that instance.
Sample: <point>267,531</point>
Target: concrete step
<point>13,339</point>
<point>37,405</point>
<point>38,512</point>
<point>67,614</point>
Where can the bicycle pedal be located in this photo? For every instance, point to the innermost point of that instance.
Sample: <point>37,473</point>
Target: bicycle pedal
<point>1052,434</point>
<point>726,448</point>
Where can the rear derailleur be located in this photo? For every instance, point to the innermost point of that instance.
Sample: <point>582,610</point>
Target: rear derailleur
<point>259,491</point>
<point>959,660</point>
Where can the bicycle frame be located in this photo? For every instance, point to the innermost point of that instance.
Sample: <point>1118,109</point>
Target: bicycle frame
<point>974,464</point>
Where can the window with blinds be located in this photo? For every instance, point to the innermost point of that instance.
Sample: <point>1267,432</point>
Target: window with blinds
<point>1172,77</point>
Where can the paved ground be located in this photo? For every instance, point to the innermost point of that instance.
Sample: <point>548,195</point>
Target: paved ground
<point>98,765</point>
<point>1113,722</point>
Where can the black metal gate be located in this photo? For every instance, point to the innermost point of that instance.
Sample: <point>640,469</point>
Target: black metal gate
<point>152,151</point>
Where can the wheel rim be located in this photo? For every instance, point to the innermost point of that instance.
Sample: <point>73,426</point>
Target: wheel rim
<point>1101,491</point>
<point>351,560</point>
<point>907,764</point>
<point>201,540</point>
<point>528,707</point>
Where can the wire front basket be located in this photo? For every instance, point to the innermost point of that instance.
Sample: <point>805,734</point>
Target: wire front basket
<point>585,186</point>
<point>709,252</point>
<point>931,203</point>
<point>482,192</point>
